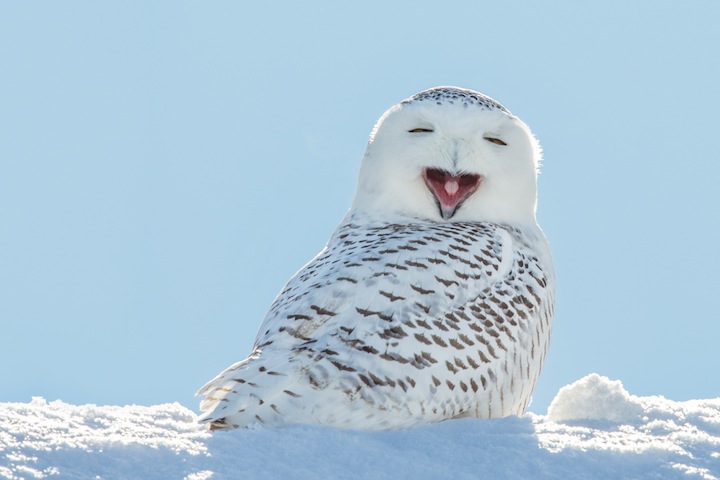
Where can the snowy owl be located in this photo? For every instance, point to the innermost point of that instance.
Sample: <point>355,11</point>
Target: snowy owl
<point>432,300</point>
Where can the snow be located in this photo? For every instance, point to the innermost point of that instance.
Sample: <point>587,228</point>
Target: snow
<point>595,398</point>
<point>594,429</point>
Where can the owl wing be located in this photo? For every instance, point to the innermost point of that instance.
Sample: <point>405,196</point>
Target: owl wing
<point>395,323</point>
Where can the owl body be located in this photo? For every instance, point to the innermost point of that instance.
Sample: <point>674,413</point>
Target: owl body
<point>427,303</point>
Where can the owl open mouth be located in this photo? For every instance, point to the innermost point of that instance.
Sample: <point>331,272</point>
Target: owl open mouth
<point>450,190</point>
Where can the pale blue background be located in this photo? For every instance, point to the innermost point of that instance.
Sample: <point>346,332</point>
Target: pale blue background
<point>166,166</point>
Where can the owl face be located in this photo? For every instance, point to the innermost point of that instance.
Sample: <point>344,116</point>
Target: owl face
<point>438,157</point>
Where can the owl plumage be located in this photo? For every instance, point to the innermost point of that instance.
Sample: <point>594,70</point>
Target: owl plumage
<point>432,300</point>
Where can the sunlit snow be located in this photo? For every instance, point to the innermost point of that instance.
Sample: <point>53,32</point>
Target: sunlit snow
<point>594,429</point>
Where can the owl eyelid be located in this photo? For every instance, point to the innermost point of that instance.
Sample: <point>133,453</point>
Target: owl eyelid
<point>494,140</point>
<point>421,130</point>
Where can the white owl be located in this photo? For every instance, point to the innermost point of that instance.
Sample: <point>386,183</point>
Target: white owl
<point>432,300</point>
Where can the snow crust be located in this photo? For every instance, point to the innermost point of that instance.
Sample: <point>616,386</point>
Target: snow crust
<point>594,430</point>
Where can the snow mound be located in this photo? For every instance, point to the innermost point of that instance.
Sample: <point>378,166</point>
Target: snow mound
<point>595,398</point>
<point>625,437</point>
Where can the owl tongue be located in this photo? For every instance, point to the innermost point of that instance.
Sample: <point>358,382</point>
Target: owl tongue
<point>450,190</point>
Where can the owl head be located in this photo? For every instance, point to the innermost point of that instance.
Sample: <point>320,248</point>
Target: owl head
<point>450,154</point>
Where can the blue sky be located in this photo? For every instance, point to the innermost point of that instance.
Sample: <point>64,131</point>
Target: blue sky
<point>166,166</point>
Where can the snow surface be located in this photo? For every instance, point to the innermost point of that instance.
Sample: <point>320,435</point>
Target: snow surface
<point>594,429</point>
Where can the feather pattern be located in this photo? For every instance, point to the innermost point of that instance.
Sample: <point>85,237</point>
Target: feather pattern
<point>398,324</point>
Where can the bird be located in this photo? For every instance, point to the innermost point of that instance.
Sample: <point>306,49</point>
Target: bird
<point>432,300</point>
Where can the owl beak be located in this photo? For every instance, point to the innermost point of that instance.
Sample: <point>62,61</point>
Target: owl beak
<point>449,190</point>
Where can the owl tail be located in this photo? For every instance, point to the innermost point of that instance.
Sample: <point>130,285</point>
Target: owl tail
<point>256,390</point>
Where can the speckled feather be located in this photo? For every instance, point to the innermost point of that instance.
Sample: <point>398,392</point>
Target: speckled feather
<point>393,325</point>
<point>453,95</point>
<point>400,322</point>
